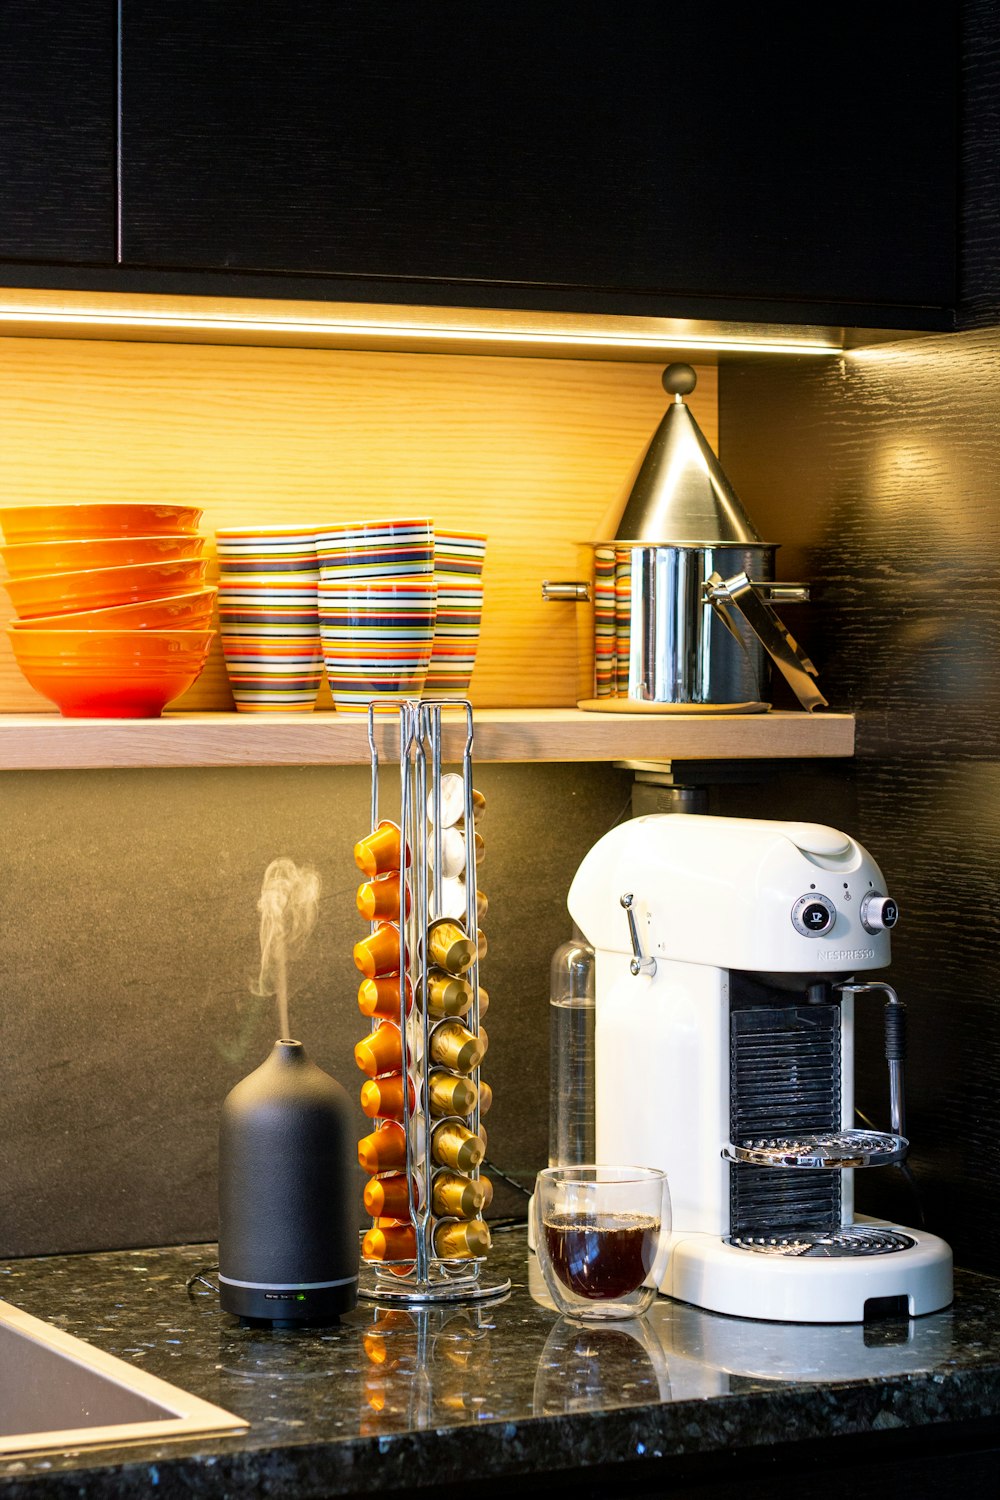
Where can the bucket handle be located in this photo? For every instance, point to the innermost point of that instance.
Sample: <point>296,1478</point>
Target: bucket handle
<point>727,595</point>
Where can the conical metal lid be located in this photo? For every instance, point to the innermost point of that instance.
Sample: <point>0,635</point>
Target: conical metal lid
<point>678,492</point>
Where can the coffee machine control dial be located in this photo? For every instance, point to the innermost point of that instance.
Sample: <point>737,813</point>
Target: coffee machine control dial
<point>813,915</point>
<point>878,912</point>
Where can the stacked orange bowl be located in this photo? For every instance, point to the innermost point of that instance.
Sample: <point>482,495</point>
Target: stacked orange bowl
<point>113,613</point>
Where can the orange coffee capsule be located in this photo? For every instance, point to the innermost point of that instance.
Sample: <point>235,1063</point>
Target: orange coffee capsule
<point>389,1197</point>
<point>381,1051</point>
<point>378,953</point>
<point>378,852</point>
<point>390,1242</point>
<point>385,1149</point>
<point>379,899</point>
<point>382,1098</point>
<point>380,997</point>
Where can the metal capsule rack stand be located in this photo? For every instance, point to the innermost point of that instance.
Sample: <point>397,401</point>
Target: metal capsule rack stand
<point>427,1277</point>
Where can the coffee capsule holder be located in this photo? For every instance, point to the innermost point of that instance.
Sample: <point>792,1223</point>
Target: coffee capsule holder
<point>427,1277</point>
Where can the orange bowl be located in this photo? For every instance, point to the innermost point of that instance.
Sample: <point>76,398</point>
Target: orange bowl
<point>41,523</point>
<point>28,559</point>
<point>104,674</point>
<point>176,612</point>
<point>97,588</point>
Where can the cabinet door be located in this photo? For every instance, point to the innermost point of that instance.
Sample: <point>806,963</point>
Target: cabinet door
<point>649,147</point>
<point>57,130</point>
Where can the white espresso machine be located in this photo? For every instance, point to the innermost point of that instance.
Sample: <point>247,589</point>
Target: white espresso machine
<point>730,954</point>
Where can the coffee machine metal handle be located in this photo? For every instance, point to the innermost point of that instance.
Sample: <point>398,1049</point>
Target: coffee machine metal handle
<point>751,601</point>
<point>895,1046</point>
<point>640,964</point>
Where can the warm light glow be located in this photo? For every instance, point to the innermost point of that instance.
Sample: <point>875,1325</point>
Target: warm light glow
<point>232,320</point>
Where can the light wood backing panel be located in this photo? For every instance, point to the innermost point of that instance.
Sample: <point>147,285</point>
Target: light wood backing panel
<point>534,453</point>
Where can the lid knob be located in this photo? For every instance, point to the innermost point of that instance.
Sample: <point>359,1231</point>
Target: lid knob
<point>679,380</point>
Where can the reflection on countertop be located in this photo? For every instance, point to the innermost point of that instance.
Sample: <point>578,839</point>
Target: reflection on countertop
<point>395,1397</point>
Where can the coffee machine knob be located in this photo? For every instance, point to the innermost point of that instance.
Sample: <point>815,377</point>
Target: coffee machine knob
<point>878,912</point>
<point>813,915</point>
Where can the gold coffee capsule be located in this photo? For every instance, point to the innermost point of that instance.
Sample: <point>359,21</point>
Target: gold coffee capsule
<point>449,1094</point>
<point>454,1046</point>
<point>454,1145</point>
<point>447,995</point>
<point>484,1002</point>
<point>464,1241</point>
<point>449,946</point>
<point>457,1197</point>
<point>481,943</point>
<point>485,1097</point>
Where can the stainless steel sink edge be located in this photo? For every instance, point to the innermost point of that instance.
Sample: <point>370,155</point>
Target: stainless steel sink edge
<point>185,1416</point>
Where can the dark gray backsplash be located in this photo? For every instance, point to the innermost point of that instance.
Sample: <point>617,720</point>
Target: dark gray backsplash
<point>129,945</point>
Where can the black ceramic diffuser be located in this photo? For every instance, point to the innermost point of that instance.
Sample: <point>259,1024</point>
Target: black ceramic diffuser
<point>288,1240</point>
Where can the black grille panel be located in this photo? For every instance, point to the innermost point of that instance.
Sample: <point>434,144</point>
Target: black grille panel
<point>784,1080</point>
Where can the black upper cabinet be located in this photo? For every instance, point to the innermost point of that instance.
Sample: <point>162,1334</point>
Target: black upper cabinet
<point>660,150</point>
<point>57,130</point>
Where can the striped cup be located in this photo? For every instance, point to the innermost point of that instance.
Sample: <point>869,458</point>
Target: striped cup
<point>376,640</point>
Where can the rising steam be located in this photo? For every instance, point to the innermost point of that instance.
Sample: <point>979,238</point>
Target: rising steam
<point>288,905</point>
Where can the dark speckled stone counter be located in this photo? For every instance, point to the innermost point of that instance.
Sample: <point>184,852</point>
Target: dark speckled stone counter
<point>508,1394</point>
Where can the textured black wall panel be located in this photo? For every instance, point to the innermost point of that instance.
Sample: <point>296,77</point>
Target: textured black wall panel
<point>881,477</point>
<point>57,130</point>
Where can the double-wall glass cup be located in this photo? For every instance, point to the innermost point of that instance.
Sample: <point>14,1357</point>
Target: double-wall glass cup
<point>601,1236</point>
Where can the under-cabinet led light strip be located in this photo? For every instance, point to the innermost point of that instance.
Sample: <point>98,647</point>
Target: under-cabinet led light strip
<point>107,319</point>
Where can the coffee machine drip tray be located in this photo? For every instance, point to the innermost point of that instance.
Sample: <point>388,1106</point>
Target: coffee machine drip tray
<point>851,1240</point>
<point>834,1150</point>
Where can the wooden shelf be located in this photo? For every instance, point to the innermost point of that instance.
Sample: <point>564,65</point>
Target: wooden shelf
<point>46,742</point>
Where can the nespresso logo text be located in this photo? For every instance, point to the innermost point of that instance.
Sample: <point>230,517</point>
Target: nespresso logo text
<point>852,953</point>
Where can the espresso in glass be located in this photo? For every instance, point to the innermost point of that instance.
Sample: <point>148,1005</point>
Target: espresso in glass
<point>606,1256</point>
<point>600,1236</point>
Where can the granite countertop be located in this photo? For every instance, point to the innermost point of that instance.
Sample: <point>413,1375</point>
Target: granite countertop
<point>502,1390</point>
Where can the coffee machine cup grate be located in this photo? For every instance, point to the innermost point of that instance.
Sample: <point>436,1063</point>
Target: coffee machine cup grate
<point>850,1240</point>
<point>838,1150</point>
